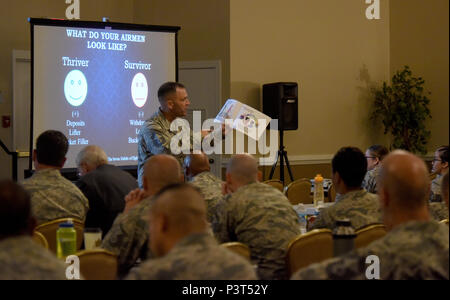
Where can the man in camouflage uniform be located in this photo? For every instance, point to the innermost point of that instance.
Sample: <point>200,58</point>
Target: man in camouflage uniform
<point>440,168</point>
<point>129,235</point>
<point>20,257</point>
<point>374,155</point>
<point>197,172</point>
<point>439,210</point>
<point>53,196</point>
<point>362,208</point>
<point>415,246</point>
<point>257,215</point>
<point>184,250</point>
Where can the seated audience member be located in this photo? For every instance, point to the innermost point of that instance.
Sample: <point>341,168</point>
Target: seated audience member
<point>361,207</point>
<point>128,236</point>
<point>104,185</point>
<point>197,172</point>
<point>184,249</point>
<point>52,195</point>
<point>374,156</point>
<point>439,210</point>
<point>440,168</point>
<point>415,246</point>
<point>20,257</point>
<point>257,215</point>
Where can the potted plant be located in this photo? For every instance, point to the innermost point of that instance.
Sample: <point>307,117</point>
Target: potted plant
<point>403,110</point>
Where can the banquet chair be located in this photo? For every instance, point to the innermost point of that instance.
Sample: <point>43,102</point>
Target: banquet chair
<point>40,239</point>
<point>312,247</point>
<point>445,221</point>
<point>98,264</point>
<point>299,191</point>
<point>275,183</point>
<point>368,234</point>
<point>238,248</point>
<point>331,193</point>
<point>48,230</point>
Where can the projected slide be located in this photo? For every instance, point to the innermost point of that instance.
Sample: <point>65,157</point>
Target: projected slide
<point>98,86</point>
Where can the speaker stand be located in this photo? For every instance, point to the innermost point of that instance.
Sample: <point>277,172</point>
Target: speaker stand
<point>282,157</point>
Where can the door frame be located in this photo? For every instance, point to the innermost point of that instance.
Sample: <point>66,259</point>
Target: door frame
<point>217,66</point>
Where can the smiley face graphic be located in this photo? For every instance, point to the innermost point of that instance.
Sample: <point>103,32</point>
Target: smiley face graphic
<point>75,87</point>
<point>139,90</point>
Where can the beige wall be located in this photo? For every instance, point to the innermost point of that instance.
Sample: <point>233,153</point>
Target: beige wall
<point>329,48</point>
<point>15,34</point>
<point>205,30</point>
<point>420,39</point>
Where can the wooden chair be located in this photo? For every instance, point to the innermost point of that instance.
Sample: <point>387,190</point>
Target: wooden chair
<point>275,183</point>
<point>40,239</point>
<point>238,248</point>
<point>368,234</point>
<point>445,221</point>
<point>98,264</point>
<point>299,191</point>
<point>331,193</point>
<point>312,247</point>
<point>48,230</point>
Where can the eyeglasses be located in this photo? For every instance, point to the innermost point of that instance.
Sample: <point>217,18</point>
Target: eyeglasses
<point>371,157</point>
<point>436,159</point>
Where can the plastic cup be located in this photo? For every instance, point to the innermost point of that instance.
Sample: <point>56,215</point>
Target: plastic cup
<point>92,238</point>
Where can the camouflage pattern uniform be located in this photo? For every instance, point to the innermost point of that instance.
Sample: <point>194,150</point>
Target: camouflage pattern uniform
<point>211,188</point>
<point>154,138</point>
<point>439,211</point>
<point>22,259</point>
<point>54,197</point>
<point>361,207</point>
<point>196,257</point>
<point>261,217</point>
<point>415,250</point>
<point>129,235</point>
<point>370,180</point>
<point>435,195</point>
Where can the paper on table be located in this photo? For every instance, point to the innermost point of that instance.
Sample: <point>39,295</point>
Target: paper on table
<point>244,118</point>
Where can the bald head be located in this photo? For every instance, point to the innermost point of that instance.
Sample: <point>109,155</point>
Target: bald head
<point>178,211</point>
<point>184,207</point>
<point>160,171</point>
<point>243,168</point>
<point>404,178</point>
<point>195,164</point>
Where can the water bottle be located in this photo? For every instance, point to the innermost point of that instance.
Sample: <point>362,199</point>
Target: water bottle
<point>302,217</point>
<point>66,240</point>
<point>343,237</point>
<point>318,190</point>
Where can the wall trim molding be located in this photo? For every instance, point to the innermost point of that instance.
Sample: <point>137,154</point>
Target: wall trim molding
<point>320,159</point>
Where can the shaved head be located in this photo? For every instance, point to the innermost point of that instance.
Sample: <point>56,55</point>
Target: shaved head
<point>196,164</point>
<point>243,168</point>
<point>160,171</point>
<point>404,177</point>
<point>178,210</point>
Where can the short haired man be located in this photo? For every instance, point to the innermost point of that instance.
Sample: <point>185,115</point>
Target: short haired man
<point>257,215</point>
<point>415,247</point>
<point>53,196</point>
<point>20,257</point>
<point>198,173</point>
<point>361,207</point>
<point>374,155</point>
<point>183,248</point>
<point>440,168</point>
<point>104,185</point>
<point>129,234</point>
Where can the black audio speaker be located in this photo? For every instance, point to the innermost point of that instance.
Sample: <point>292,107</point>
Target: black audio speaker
<point>280,101</point>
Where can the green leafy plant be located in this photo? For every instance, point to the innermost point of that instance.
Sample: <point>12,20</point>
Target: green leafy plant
<point>403,110</point>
